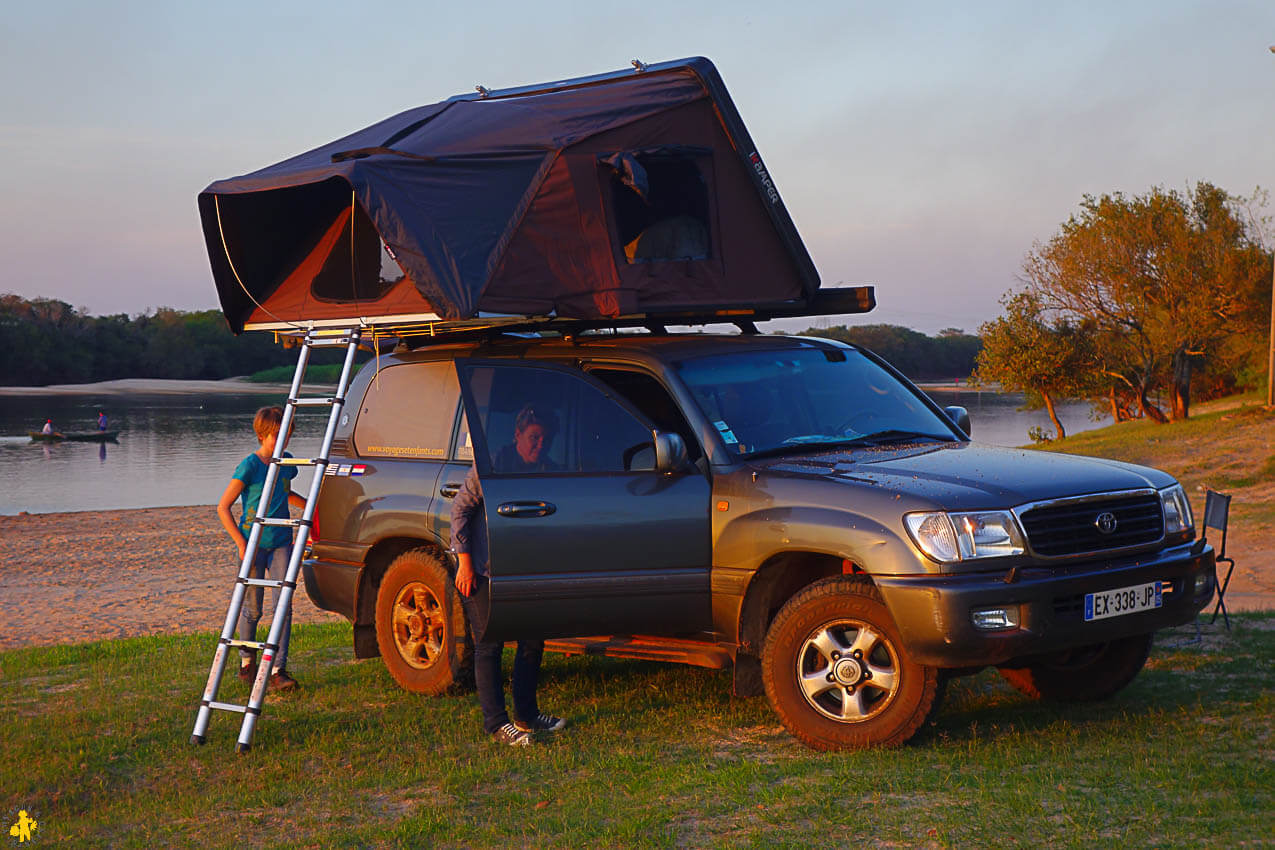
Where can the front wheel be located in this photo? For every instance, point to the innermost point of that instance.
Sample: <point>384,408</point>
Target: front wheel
<point>1084,674</point>
<point>420,626</point>
<point>836,672</point>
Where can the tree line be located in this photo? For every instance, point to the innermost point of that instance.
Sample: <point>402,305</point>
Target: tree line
<point>45,341</point>
<point>951,354</point>
<point>1163,295</point>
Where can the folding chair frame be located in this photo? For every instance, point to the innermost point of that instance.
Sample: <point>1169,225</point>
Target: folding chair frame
<point>1217,507</point>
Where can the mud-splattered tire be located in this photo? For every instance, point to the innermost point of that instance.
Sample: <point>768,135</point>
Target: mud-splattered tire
<point>836,672</point>
<point>1084,674</point>
<point>420,627</point>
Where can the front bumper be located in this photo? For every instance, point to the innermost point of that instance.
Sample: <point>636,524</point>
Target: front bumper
<point>933,613</point>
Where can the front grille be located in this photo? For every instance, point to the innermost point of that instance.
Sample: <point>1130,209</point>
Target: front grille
<point>1071,528</point>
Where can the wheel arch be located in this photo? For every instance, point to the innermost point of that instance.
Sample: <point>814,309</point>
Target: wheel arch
<point>779,578</point>
<point>377,561</point>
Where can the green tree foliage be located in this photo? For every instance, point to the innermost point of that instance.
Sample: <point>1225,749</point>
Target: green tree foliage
<point>1165,282</point>
<point>951,354</point>
<point>1025,352</point>
<point>45,341</point>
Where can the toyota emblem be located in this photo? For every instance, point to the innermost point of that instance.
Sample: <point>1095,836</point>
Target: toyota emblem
<point>1106,522</point>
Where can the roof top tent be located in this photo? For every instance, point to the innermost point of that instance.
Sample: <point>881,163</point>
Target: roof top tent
<point>634,193</point>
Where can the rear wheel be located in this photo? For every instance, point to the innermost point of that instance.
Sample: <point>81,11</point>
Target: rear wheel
<point>836,672</point>
<point>420,626</point>
<point>1084,674</point>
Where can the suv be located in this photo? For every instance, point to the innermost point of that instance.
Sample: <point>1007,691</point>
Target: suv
<point>792,507</point>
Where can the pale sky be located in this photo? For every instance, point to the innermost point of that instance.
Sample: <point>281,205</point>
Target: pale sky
<point>921,147</point>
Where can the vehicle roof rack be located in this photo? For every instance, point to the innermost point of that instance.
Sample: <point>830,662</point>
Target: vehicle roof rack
<point>421,331</point>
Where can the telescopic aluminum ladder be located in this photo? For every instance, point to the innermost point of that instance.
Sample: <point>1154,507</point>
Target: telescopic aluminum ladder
<point>328,337</point>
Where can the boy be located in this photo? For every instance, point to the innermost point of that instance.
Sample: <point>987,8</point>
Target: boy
<point>273,546</point>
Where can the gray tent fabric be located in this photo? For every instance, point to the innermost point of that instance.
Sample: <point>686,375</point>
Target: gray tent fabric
<point>514,202</point>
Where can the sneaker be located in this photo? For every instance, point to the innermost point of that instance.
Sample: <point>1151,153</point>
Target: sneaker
<point>511,735</point>
<point>281,681</point>
<point>248,672</point>
<point>542,723</point>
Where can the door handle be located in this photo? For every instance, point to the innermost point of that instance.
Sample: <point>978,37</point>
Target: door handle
<point>449,490</point>
<point>525,509</point>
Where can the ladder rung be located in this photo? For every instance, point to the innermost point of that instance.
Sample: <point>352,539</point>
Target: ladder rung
<point>326,342</point>
<point>246,644</point>
<point>265,582</point>
<point>228,706</point>
<point>299,461</point>
<point>279,521</point>
<point>315,402</point>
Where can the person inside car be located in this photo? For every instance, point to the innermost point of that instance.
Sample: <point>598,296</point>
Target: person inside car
<point>533,433</point>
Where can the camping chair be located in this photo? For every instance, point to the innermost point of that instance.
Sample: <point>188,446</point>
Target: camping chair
<point>1217,507</point>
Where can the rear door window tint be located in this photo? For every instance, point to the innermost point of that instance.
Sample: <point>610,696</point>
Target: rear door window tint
<point>408,412</point>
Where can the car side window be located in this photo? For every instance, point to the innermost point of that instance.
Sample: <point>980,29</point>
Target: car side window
<point>408,412</point>
<point>537,420</point>
<point>649,396</point>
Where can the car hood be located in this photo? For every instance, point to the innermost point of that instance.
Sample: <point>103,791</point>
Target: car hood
<point>968,476</point>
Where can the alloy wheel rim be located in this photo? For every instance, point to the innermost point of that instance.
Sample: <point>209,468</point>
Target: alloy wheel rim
<point>419,625</point>
<point>847,671</point>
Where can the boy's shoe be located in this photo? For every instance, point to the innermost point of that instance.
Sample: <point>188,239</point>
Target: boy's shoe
<point>248,672</point>
<point>511,735</point>
<point>281,681</point>
<point>541,723</point>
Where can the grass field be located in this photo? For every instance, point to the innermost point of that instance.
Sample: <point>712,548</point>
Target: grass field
<point>95,748</point>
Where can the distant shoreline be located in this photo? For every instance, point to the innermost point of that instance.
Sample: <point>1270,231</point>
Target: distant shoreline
<point>163,386</point>
<point>149,386</point>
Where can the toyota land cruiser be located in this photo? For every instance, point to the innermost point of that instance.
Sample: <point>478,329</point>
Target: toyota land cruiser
<point>790,507</point>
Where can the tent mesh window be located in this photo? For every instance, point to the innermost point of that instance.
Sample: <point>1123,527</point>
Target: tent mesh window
<point>671,222</point>
<point>359,266</point>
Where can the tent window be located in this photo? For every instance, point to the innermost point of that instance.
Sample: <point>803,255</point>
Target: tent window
<point>660,206</point>
<point>362,272</point>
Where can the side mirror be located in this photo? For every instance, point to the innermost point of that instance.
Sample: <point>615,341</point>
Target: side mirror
<point>960,416</point>
<point>670,451</point>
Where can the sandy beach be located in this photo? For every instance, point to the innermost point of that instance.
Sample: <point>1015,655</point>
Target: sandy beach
<point>149,386</point>
<point>82,576</point>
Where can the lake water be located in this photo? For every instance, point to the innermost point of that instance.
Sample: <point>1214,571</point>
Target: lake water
<point>179,449</point>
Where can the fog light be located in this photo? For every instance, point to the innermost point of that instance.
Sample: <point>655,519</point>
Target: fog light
<point>1203,581</point>
<point>995,619</point>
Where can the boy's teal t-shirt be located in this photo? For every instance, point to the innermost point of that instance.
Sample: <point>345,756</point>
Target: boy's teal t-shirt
<point>252,472</point>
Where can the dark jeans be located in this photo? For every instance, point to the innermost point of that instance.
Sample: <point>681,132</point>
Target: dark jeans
<point>487,662</point>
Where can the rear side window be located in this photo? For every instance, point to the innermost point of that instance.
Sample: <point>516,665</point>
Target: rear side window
<point>408,412</point>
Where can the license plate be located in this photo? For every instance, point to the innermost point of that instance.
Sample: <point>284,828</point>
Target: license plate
<point>1122,600</point>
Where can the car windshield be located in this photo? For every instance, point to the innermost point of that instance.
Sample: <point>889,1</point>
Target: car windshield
<point>770,402</point>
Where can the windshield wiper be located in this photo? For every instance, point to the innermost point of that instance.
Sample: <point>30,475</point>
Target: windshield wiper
<point>895,435</point>
<point>800,445</point>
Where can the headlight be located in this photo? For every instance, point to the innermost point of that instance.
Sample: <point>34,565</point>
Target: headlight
<point>1177,510</point>
<point>965,536</point>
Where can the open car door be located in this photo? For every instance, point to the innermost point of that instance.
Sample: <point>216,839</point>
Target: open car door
<point>588,538</point>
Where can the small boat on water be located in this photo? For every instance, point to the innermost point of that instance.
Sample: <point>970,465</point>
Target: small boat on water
<point>75,436</point>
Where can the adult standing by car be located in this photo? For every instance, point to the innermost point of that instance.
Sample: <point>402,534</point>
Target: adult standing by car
<point>533,433</point>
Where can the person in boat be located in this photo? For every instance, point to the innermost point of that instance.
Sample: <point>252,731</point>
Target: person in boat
<point>48,427</point>
<point>101,421</point>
